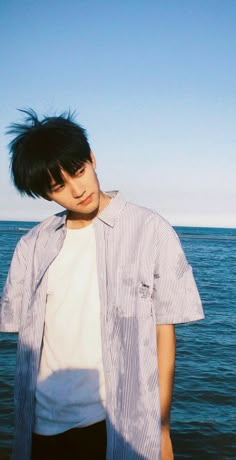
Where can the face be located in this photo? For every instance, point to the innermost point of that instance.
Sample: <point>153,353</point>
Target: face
<point>79,193</point>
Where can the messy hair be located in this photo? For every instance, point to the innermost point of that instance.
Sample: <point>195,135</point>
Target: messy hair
<point>40,150</point>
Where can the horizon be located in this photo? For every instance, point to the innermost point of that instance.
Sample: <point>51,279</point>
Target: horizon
<point>173,225</point>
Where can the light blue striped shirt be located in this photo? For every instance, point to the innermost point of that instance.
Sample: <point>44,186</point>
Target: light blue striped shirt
<point>144,280</point>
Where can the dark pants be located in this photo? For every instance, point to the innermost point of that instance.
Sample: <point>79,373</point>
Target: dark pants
<point>87,443</point>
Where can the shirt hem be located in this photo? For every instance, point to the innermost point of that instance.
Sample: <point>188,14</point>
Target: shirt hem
<point>173,320</point>
<point>70,427</point>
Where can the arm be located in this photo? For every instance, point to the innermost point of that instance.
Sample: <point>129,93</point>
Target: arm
<point>166,365</point>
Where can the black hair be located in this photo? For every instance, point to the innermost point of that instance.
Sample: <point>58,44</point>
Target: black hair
<point>42,148</point>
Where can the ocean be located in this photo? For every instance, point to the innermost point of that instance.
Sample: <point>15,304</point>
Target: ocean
<point>204,400</point>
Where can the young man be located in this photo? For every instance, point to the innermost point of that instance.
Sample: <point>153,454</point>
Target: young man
<point>94,293</point>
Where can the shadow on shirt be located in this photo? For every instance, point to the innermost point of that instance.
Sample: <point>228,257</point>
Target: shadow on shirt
<point>61,389</point>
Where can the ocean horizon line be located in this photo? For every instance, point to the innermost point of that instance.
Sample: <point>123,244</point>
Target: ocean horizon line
<point>174,225</point>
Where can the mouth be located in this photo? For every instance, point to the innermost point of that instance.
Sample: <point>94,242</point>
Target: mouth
<point>86,201</point>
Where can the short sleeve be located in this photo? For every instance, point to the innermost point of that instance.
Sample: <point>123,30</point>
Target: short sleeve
<point>10,303</point>
<point>175,294</point>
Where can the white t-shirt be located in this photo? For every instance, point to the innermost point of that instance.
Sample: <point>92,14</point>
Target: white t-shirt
<point>70,388</point>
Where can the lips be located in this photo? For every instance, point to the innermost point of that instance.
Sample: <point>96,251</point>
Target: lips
<point>86,201</point>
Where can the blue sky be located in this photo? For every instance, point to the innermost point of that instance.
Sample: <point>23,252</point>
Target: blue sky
<point>153,83</point>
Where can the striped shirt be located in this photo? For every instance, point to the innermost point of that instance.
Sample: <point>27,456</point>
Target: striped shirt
<point>144,280</point>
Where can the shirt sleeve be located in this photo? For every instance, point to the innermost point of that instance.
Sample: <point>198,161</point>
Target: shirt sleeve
<point>10,302</point>
<point>175,294</point>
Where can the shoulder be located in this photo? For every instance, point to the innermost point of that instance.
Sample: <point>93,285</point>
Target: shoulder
<point>150,218</point>
<point>43,229</point>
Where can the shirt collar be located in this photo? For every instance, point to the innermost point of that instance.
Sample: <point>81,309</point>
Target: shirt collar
<point>108,216</point>
<point>111,213</point>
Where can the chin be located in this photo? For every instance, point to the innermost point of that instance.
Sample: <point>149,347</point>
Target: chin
<point>89,209</point>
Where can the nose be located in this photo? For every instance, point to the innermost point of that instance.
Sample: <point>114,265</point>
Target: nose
<point>77,189</point>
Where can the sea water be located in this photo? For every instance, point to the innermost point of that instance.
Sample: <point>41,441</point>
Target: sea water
<point>204,401</point>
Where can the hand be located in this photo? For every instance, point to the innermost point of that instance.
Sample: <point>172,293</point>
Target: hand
<point>166,446</point>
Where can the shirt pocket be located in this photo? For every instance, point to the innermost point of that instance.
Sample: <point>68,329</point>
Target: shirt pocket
<point>133,293</point>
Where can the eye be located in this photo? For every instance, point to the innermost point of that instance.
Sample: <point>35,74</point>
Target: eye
<point>57,187</point>
<point>80,171</point>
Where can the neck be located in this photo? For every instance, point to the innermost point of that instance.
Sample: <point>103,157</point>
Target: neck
<point>77,220</point>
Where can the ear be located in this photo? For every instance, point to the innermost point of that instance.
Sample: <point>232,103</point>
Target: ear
<point>93,159</point>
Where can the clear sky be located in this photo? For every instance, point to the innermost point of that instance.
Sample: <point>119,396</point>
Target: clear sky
<point>152,81</point>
